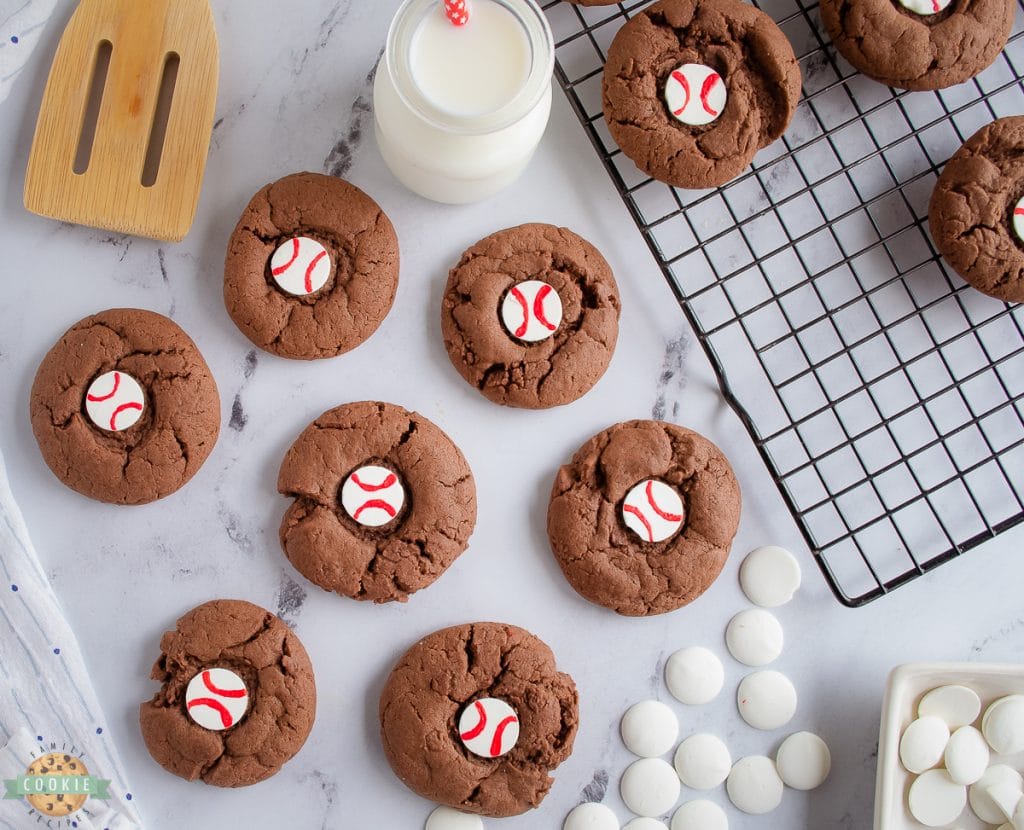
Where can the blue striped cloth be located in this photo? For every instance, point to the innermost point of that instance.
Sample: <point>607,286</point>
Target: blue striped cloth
<point>47,702</point>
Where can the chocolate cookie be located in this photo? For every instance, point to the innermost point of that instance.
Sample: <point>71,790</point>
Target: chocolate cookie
<point>384,502</point>
<point>694,88</point>
<point>530,316</point>
<point>919,44</point>
<point>124,407</point>
<point>642,518</point>
<point>593,2</point>
<point>237,696</point>
<point>976,214</point>
<point>312,267</point>
<point>476,717</point>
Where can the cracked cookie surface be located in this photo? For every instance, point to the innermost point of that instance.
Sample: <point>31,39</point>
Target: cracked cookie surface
<point>391,562</point>
<point>542,374</point>
<point>168,444</point>
<point>278,676</point>
<point>602,558</point>
<point>447,671</point>
<point>972,205</point>
<point>359,292</point>
<point>743,45</point>
<point>906,50</point>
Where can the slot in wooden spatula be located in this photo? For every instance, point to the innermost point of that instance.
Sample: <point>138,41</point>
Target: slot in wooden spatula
<point>124,128</point>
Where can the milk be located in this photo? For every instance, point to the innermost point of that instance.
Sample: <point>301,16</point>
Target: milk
<point>459,111</point>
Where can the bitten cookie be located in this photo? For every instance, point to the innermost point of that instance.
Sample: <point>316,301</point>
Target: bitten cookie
<point>976,214</point>
<point>530,316</point>
<point>642,518</point>
<point>124,407</point>
<point>477,717</point>
<point>312,267</point>
<point>237,697</point>
<point>384,502</point>
<point>919,44</point>
<point>694,88</point>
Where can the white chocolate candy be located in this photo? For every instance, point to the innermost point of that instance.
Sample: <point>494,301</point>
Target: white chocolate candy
<point>649,787</point>
<point>770,576</point>
<point>532,311</point>
<point>935,799</point>
<point>694,675</point>
<point>1006,799</point>
<point>997,775</point>
<point>645,824</point>
<point>301,266</point>
<point>700,815</point>
<point>489,727</point>
<point>956,705</point>
<point>216,699</point>
<point>1018,219</point>
<point>649,729</point>
<point>925,7</point>
<point>1003,725</point>
<point>754,785</point>
<point>653,510</point>
<point>114,401</point>
<point>373,496</point>
<point>966,755</point>
<point>1018,816</point>
<point>766,699</point>
<point>591,817</point>
<point>703,762</point>
<point>923,744</point>
<point>754,637</point>
<point>445,818</point>
<point>803,761</point>
<point>695,94</point>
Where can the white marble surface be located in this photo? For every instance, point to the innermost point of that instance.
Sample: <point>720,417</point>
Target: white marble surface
<point>295,95</point>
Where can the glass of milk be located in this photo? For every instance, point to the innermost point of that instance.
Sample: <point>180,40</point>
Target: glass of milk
<point>459,110</point>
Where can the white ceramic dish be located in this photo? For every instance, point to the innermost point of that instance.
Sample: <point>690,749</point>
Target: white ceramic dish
<point>907,685</point>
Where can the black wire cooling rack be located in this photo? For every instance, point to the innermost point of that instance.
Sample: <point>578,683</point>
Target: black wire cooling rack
<point>883,393</point>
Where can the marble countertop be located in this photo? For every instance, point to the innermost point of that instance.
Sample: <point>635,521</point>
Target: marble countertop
<point>295,95</point>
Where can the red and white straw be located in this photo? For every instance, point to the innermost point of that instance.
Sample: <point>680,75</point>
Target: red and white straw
<point>457,11</point>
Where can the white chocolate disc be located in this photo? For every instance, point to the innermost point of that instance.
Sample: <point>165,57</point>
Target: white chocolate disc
<point>301,266</point>
<point>925,7</point>
<point>650,787</point>
<point>531,311</point>
<point>700,815</point>
<point>489,727</point>
<point>1003,725</point>
<point>645,824</point>
<point>216,699</point>
<point>703,762</point>
<point>754,637</point>
<point>591,817</point>
<point>1006,798</point>
<point>695,94</point>
<point>956,705</point>
<point>996,776</point>
<point>445,818</point>
<point>766,699</point>
<point>1018,219</point>
<point>653,510</point>
<point>770,576</point>
<point>115,401</point>
<point>923,744</point>
<point>754,785</point>
<point>966,755</point>
<point>803,761</point>
<point>694,675</point>
<point>373,496</point>
<point>649,729</point>
<point>935,799</point>
<point>1018,816</point>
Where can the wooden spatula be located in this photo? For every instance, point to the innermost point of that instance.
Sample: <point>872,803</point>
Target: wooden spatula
<point>135,163</point>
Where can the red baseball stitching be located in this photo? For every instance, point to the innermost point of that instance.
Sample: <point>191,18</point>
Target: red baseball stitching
<point>123,408</point>
<point>515,292</point>
<point>295,255</point>
<point>99,399</point>
<point>685,84</point>
<point>377,504</point>
<point>668,517</point>
<point>1018,211</point>
<point>216,705</point>
<point>538,307</point>
<point>635,511</point>
<point>208,683</point>
<point>499,732</point>
<point>373,488</point>
<point>935,6</point>
<point>309,271</point>
<point>477,730</point>
<point>705,90</point>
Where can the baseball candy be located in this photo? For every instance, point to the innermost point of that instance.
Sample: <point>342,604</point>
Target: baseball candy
<point>301,266</point>
<point>216,699</point>
<point>489,727</point>
<point>925,7</point>
<point>653,510</point>
<point>1018,219</point>
<point>695,94</point>
<point>532,311</point>
<point>114,401</point>
<point>373,496</point>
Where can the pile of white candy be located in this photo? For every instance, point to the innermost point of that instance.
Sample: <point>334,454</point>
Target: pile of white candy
<point>952,759</point>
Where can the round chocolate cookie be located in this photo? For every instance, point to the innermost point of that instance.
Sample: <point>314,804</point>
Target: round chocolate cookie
<point>124,407</point>
<point>642,518</point>
<point>384,502</point>
<point>694,88</point>
<point>593,2</point>
<point>476,717</point>
<point>976,214</point>
<point>530,316</point>
<point>919,44</point>
<point>312,267</point>
<point>237,696</point>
